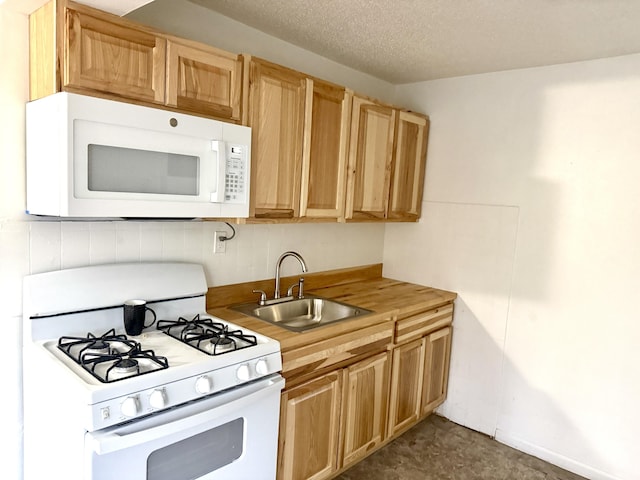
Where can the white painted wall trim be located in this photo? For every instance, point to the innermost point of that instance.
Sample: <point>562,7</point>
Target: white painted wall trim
<point>553,457</point>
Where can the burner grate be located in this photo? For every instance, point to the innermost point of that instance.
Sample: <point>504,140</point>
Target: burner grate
<point>207,336</point>
<point>111,357</point>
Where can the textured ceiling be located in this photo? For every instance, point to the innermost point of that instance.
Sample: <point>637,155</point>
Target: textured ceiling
<point>404,41</point>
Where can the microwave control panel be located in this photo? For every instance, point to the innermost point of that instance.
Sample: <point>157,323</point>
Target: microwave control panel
<point>235,183</point>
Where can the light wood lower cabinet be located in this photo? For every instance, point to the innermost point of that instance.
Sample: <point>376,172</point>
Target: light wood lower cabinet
<point>406,386</point>
<point>419,379</point>
<point>437,349</point>
<point>334,420</point>
<point>310,428</point>
<point>364,408</point>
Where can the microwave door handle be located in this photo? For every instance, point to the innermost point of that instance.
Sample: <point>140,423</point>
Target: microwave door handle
<point>220,150</point>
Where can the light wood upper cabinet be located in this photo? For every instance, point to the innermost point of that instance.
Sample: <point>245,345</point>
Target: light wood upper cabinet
<point>276,116</point>
<point>83,50</point>
<point>319,152</point>
<point>366,392</point>
<point>324,161</point>
<point>370,154</point>
<point>409,160</point>
<point>103,54</point>
<point>300,130</point>
<point>387,158</point>
<point>309,429</point>
<point>203,79</point>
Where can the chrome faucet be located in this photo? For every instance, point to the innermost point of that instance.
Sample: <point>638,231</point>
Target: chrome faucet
<point>298,257</point>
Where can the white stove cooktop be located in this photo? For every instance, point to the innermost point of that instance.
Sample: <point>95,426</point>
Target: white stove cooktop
<point>191,374</point>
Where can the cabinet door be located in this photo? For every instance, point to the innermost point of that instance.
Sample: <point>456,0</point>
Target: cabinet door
<point>409,162</point>
<point>406,386</point>
<point>436,369</point>
<point>370,152</point>
<point>277,97</point>
<point>366,390</point>
<point>310,429</point>
<point>105,55</point>
<point>324,162</point>
<point>203,80</point>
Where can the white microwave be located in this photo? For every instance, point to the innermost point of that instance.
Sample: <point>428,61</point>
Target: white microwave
<point>91,157</point>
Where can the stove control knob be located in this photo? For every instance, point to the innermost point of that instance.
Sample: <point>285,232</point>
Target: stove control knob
<point>203,385</point>
<point>243,372</point>
<point>262,367</point>
<point>129,407</point>
<point>157,399</point>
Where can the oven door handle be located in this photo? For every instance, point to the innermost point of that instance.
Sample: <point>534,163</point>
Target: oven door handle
<point>182,418</point>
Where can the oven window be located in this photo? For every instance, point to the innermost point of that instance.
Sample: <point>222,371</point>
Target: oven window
<point>116,169</point>
<point>196,456</point>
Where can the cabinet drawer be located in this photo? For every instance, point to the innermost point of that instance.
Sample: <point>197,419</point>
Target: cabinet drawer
<point>334,351</point>
<point>421,324</point>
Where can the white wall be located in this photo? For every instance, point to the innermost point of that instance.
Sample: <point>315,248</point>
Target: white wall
<point>28,245</point>
<point>531,214</point>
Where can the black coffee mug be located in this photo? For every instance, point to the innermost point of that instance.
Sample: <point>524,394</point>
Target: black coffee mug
<point>135,312</point>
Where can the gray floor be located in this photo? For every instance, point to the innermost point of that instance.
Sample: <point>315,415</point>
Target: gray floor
<point>437,449</point>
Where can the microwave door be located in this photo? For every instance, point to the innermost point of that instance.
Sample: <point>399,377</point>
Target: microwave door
<point>112,162</point>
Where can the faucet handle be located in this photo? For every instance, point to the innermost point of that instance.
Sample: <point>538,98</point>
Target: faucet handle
<point>263,296</point>
<point>300,286</point>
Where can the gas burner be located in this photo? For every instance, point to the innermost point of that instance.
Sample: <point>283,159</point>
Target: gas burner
<point>212,338</point>
<point>98,347</point>
<point>126,365</point>
<point>221,344</point>
<point>111,357</point>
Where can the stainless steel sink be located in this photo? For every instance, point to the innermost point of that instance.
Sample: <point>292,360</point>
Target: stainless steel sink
<point>300,314</point>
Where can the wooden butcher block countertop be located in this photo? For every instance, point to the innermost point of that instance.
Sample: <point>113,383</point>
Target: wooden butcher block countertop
<point>359,286</point>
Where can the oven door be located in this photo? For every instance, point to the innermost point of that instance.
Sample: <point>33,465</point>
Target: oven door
<point>231,435</point>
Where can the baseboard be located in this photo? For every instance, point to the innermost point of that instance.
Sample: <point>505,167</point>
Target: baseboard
<point>553,457</point>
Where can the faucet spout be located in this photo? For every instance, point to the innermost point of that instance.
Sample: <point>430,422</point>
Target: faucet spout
<point>295,255</point>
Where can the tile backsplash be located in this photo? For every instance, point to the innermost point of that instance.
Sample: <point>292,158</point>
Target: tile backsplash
<point>41,246</point>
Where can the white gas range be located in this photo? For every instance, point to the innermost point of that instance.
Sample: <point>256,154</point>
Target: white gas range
<point>193,397</point>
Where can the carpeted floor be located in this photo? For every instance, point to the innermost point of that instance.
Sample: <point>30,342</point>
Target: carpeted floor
<point>437,449</point>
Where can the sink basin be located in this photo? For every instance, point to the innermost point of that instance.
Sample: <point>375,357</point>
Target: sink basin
<point>300,314</point>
